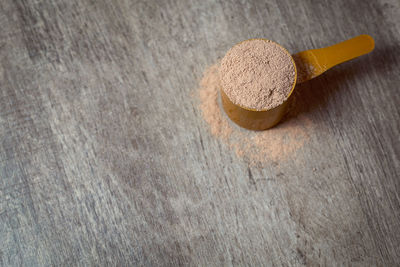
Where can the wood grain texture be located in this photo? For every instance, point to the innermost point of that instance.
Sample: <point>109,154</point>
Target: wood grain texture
<point>106,160</point>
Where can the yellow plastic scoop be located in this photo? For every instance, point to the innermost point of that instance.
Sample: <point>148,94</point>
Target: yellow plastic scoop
<point>308,64</point>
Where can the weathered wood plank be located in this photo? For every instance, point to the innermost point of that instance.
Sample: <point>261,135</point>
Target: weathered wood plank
<point>106,160</point>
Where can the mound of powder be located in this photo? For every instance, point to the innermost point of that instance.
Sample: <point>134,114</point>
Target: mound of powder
<point>257,74</point>
<point>277,144</point>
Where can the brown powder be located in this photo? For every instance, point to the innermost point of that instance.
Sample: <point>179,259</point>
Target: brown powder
<point>208,93</point>
<point>257,74</point>
<point>258,147</point>
<point>305,71</point>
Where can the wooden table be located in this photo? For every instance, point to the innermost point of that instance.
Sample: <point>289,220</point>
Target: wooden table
<point>101,161</point>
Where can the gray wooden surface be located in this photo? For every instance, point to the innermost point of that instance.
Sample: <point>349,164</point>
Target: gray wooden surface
<point>106,160</point>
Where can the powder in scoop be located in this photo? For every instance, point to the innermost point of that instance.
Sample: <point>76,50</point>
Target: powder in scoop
<point>279,143</point>
<point>257,74</point>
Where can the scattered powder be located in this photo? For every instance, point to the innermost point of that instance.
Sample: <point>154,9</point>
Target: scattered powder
<point>277,144</point>
<point>257,74</point>
<point>209,93</point>
<point>305,71</point>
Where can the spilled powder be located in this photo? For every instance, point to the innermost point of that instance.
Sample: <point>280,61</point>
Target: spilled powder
<point>279,143</point>
<point>257,74</point>
<point>305,71</point>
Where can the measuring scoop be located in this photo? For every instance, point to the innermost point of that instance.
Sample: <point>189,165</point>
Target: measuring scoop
<point>307,64</point>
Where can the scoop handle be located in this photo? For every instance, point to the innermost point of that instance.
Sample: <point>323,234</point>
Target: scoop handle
<point>314,62</point>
